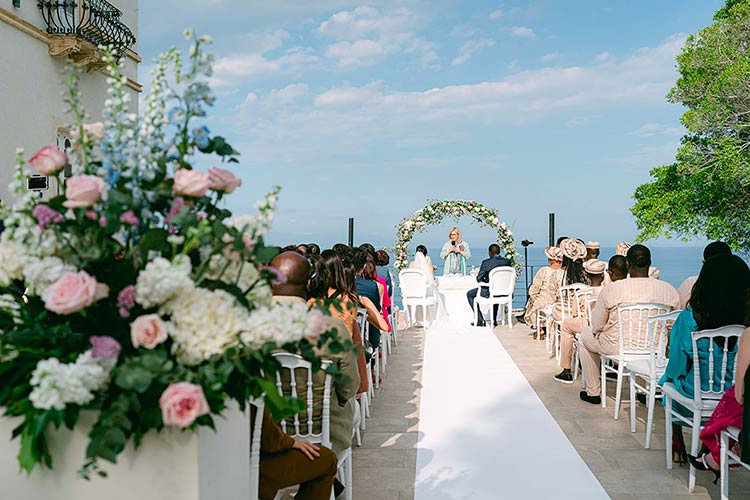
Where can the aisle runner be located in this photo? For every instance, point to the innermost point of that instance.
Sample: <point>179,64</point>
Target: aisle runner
<point>484,433</point>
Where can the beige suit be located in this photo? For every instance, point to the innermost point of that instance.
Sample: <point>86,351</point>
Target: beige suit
<point>686,290</point>
<point>602,337</point>
<point>342,394</point>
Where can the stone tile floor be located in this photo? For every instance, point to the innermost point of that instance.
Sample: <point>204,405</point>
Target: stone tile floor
<point>618,459</point>
<point>385,465</point>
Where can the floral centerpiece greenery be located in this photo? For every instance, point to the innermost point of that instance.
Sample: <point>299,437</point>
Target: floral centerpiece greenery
<point>134,293</point>
<point>437,210</point>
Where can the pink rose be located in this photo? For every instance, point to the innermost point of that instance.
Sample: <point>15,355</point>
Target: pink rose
<point>48,160</point>
<point>94,131</point>
<point>317,325</point>
<point>104,347</point>
<point>71,293</point>
<point>182,403</point>
<point>148,331</point>
<point>190,183</point>
<point>83,191</point>
<point>223,180</point>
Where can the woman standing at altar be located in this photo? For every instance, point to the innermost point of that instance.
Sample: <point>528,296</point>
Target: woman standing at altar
<point>455,253</point>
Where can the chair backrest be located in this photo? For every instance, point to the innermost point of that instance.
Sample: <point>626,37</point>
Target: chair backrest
<point>720,376</point>
<point>582,295</point>
<point>291,363</point>
<point>413,284</point>
<point>569,300</point>
<point>255,432</point>
<point>502,281</point>
<point>590,304</point>
<point>632,324</point>
<point>392,291</point>
<point>659,327</point>
<point>364,326</point>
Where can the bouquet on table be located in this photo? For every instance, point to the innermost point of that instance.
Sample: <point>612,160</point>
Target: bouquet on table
<point>135,294</point>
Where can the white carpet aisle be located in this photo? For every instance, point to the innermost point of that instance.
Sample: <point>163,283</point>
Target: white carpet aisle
<point>484,433</point>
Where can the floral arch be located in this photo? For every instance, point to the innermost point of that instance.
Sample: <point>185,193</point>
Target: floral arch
<point>436,211</point>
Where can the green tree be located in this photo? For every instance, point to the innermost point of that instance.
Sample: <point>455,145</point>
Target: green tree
<point>706,191</point>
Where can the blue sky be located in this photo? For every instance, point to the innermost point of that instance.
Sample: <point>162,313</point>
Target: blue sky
<point>368,110</point>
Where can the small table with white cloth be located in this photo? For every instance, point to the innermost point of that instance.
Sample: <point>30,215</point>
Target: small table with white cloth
<point>452,291</point>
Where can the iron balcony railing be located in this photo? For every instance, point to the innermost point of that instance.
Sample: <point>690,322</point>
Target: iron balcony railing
<point>97,21</point>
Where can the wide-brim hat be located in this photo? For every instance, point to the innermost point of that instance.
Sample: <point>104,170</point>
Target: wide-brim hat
<point>594,266</point>
<point>622,248</point>
<point>573,249</point>
<point>553,253</point>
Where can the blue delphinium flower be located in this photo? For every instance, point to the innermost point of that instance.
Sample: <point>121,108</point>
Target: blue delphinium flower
<point>200,135</point>
<point>176,115</point>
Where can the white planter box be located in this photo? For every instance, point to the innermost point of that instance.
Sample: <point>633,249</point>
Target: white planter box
<point>171,465</point>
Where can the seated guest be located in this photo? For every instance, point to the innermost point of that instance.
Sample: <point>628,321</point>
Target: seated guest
<point>328,281</point>
<point>422,261</point>
<point>374,317</point>
<point>592,250</point>
<point>366,288</point>
<point>297,270</point>
<point>572,326</point>
<point>488,265</point>
<point>370,273</point>
<point>286,461</point>
<point>686,288</point>
<point>302,248</point>
<point>602,337</point>
<point>617,269</point>
<point>727,414</point>
<point>622,249</point>
<point>382,261</point>
<point>544,288</point>
<point>718,299</point>
<point>313,249</point>
<point>572,263</point>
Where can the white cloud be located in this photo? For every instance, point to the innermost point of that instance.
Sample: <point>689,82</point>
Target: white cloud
<point>365,36</point>
<point>552,56</point>
<point>495,15</point>
<point>366,21</point>
<point>260,42</point>
<point>359,53</point>
<point>469,48</point>
<point>230,70</point>
<point>348,118</point>
<point>602,57</point>
<point>463,31</point>
<point>522,32</point>
<point>655,129</point>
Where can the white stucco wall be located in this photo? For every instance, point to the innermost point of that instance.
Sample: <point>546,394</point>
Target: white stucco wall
<point>32,87</point>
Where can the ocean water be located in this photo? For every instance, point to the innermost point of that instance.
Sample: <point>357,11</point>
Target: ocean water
<point>675,264</point>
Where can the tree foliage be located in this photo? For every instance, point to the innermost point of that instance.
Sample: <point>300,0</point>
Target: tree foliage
<point>705,192</point>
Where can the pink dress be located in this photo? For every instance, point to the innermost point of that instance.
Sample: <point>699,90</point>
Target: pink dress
<point>385,306</point>
<point>727,413</point>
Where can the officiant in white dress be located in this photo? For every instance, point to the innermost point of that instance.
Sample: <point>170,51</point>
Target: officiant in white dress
<point>455,253</point>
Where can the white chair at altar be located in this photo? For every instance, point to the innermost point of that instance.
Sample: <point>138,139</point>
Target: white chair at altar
<point>415,293</point>
<point>651,370</point>
<point>704,402</point>
<point>501,284</point>
<point>292,362</point>
<point>256,429</point>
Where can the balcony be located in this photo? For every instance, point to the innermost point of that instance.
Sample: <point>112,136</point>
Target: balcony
<point>79,27</point>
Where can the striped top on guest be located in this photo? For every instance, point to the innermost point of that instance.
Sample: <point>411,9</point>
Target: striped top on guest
<point>625,292</point>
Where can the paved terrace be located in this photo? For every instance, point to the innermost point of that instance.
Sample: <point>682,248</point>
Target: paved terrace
<point>385,466</point>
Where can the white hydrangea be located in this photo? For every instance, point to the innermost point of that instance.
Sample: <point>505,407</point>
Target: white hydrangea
<point>204,323</point>
<point>244,276</point>
<point>162,280</point>
<point>41,273</point>
<point>280,323</point>
<point>25,230</point>
<point>57,384</point>
<point>11,262</point>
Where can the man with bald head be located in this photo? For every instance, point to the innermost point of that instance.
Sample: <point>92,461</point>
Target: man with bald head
<point>297,271</point>
<point>602,337</point>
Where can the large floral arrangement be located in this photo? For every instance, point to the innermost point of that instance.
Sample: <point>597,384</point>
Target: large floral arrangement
<point>436,211</point>
<point>134,293</point>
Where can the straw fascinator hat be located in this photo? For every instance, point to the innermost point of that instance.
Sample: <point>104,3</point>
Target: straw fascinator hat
<point>573,249</point>
<point>594,266</point>
<point>553,253</point>
<point>622,248</point>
